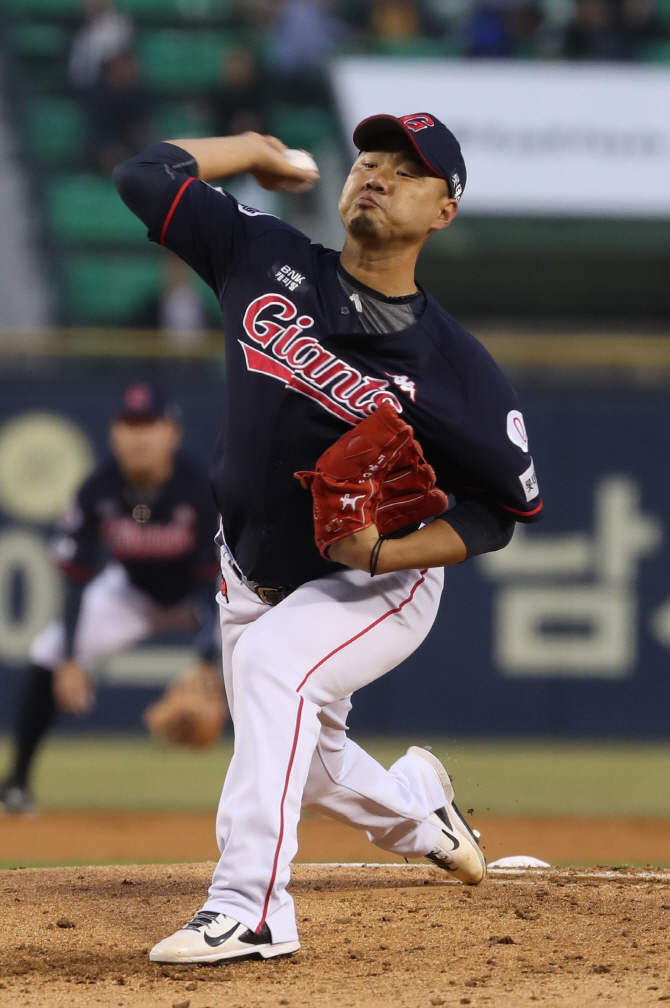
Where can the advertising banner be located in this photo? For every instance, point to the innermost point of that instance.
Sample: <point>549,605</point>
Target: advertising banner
<point>565,632</point>
<point>538,138</point>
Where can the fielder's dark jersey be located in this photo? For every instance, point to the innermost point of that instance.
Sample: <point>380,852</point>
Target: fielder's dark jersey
<point>168,552</point>
<point>299,374</point>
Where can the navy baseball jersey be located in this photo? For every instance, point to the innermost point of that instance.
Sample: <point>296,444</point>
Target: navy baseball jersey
<point>299,372</point>
<point>165,541</point>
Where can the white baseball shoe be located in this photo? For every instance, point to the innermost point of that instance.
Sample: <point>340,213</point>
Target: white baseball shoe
<point>212,937</point>
<point>457,850</point>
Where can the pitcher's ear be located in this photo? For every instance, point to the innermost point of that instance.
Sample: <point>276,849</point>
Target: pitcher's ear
<point>446,214</point>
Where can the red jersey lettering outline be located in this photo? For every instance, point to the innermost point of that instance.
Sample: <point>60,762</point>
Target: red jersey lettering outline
<point>310,369</point>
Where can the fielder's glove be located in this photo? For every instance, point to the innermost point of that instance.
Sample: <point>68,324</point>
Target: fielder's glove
<point>191,712</point>
<point>375,474</point>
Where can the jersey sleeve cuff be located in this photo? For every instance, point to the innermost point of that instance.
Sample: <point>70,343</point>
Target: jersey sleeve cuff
<point>532,515</point>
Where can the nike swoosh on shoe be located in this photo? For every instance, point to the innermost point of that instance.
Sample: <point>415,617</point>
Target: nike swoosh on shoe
<point>219,940</point>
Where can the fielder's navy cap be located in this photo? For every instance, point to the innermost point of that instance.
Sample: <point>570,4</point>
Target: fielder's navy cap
<point>436,145</point>
<point>142,403</point>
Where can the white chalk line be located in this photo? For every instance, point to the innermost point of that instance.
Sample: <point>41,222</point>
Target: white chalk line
<point>523,874</point>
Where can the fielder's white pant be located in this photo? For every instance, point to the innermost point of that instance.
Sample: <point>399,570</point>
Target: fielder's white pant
<point>290,671</point>
<point>114,615</point>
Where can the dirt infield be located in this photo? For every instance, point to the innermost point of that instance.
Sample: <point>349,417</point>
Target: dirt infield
<point>108,837</point>
<point>394,936</point>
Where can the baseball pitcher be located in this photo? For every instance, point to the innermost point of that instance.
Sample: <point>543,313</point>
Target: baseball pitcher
<point>369,442</point>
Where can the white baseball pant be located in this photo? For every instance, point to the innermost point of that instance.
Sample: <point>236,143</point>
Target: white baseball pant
<point>289,672</point>
<point>114,615</point>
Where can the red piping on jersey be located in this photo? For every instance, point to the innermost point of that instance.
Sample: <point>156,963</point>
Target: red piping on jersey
<point>175,203</point>
<point>525,513</point>
<point>297,733</point>
<point>281,815</point>
<point>504,506</point>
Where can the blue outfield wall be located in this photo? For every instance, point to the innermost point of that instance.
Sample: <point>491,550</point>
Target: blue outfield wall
<point>566,632</point>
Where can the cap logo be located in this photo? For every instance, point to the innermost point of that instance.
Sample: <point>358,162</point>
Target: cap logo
<point>417,122</point>
<point>138,397</point>
<point>456,187</point>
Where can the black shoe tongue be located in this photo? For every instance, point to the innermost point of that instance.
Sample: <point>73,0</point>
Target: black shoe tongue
<point>263,937</point>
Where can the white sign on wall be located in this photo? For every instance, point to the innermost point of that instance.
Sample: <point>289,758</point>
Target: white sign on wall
<point>538,138</point>
<point>567,604</point>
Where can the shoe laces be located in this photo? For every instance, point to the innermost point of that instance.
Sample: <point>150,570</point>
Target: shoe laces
<point>203,918</point>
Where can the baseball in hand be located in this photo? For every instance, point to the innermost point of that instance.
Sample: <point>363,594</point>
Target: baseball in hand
<point>300,159</point>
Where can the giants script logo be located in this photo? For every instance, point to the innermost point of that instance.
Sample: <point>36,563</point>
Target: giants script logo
<point>417,122</point>
<point>302,363</point>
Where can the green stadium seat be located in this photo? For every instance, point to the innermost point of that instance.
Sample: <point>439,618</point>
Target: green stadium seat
<point>183,62</point>
<point>302,126</point>
<point>182,120</point>
<point>411,47</point>
<point>187,11</point>
<point>55,130</point>
<point>109,290</point>
<point>48,9</point>
<point>655,52</point>
<point>85,208</point>
<point>40,41</point>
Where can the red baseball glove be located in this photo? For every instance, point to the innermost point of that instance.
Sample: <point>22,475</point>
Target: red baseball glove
<point>408,493</point>
<point>373,474</point>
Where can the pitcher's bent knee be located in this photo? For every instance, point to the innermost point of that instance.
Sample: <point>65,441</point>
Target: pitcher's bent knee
<point>262,667</point>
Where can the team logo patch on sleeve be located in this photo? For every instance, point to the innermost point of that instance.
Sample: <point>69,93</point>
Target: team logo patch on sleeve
<point>516,429</point>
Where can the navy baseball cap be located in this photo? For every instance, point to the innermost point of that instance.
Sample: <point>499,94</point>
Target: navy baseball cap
<point>436,145</point>
<point>143,404</point>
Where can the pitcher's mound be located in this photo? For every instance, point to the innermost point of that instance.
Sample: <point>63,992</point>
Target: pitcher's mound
<point>372,937</point>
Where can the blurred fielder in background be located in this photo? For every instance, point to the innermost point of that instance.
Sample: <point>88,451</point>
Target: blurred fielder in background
<point>137,553</point>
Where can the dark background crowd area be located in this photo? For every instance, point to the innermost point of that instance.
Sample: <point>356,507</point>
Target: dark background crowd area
<point>88,83</point>
<point>276,51</point>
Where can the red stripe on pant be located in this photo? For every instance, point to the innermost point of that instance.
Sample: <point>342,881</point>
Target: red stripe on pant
<point>296,734</point>
<point>281,815</point>
<point>391,612</point>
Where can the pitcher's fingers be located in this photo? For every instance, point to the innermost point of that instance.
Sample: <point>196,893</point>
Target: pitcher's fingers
<point>275,142</point>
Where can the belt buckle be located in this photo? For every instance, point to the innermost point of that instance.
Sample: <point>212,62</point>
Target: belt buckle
<point>269,595</point>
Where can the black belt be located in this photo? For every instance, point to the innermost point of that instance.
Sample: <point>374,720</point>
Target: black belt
<point>269,594</point>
